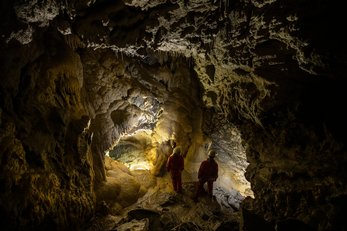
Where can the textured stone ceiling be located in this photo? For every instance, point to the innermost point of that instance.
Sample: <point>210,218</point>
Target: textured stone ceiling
<point>262,82</point>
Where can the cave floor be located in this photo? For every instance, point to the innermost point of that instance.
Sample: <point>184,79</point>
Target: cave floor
<point>162,209</point>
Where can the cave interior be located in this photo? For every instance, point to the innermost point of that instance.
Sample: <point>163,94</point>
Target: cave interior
<point>94,93</point>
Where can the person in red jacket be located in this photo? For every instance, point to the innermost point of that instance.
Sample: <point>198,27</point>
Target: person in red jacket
<point>208,172</point>
<point>175,165</point>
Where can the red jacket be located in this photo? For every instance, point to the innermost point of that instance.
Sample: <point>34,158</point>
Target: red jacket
<point>208,169</point>
<point>175,163</point>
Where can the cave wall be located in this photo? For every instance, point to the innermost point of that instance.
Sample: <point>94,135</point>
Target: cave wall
<point>127,95</point>
<point>46,163</point>
<point>297,153</point>
<point>296,162</point>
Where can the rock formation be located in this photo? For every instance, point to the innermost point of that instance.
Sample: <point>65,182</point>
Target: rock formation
<point>261,82</point>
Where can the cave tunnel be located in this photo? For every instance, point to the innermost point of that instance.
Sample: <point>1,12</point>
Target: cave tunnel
<point>95,93</point>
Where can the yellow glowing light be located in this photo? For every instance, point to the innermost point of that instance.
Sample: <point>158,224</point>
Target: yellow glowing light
<point>139,166</point>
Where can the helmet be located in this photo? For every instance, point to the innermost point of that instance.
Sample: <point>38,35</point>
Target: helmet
<point>212,153</point>
<point>177,150</point>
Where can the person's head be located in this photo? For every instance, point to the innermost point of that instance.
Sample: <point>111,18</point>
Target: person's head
<point>177,151</point>
<point>211,154</point>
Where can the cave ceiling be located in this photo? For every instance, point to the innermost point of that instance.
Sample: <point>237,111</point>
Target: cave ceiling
<point>252,47</point>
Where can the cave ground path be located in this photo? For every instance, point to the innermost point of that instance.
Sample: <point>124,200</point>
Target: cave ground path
<point>160,208</point>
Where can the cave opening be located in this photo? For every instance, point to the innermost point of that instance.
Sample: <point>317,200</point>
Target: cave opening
<point>132,151</point>
<point>143,123</point>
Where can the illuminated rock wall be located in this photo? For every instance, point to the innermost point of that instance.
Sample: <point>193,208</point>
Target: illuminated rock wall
<point>267,74</point>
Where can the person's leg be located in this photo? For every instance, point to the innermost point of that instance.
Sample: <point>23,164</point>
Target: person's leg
<point>210,188</point>
<point>179,183</point>
<point>174,182</point>
<point>200,188</point>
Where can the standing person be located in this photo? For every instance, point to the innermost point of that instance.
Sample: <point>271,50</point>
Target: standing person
<point>208,172</point>
<point>175,165</point>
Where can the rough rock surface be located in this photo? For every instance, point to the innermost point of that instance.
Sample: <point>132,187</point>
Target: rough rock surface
<point>47,176</point>
<point>262,82</point>
<point>162,209</point>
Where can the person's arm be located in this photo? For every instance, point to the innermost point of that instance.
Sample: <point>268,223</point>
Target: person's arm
<point>168,164</point>
<point>182,163</point>
<point>201,170</point>
<point>216,173</point>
